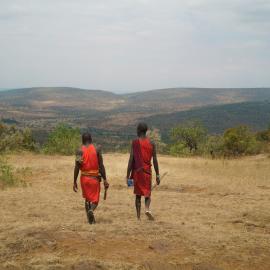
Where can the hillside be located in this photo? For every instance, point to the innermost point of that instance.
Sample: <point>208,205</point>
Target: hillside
<point>57,98</point>
<point>218,118</point>
<point>71,100</point>
<point>184,98</point>
<point>115,115</point>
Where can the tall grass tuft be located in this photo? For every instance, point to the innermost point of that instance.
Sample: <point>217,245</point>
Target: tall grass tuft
<point>10,177</point>
<point>7,177</point>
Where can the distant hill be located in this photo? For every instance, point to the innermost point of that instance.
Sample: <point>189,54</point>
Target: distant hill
<point>217,118</point>
<point>165,100</point>
<point>59,98</point>
<point>42,107</point>
<point>184,98</point>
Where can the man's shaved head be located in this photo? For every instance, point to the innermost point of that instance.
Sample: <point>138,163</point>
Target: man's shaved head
<point>142,129</point>
<point>86,138</point>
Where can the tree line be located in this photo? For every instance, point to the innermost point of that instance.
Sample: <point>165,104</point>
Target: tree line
<point>187,139</point>
<point>192,138</point>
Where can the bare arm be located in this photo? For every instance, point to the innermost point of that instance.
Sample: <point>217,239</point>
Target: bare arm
<point>102,169</point>
<point>155,162</point>
<point>130,162</point>
<point>77,169</point>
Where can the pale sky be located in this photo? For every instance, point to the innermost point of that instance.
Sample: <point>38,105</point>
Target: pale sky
<point>128,45</point>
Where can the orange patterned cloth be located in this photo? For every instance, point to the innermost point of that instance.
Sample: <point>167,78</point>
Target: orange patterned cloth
<point>89,174</point>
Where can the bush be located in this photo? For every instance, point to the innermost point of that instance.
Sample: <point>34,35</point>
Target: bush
<point>214,146</point>
<point>63,140</point>
<point>191,136</point>
<point>263,136</point>
<point>179,149</point>
<point>14,139</point>
<point>240,141</point>
<point>192,139</point>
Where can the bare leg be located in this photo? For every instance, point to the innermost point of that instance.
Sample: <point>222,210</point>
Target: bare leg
<point>87,205</point>
<point>90,207</point>
<point>147,203</point>
<point>138,206</point>
<point>93,206</point>
<point>147,208</point>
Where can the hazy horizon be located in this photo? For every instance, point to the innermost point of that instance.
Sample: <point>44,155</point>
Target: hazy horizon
<point>134,91</point>
<point>130,46</point>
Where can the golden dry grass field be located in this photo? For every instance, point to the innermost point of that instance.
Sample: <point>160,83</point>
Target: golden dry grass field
<point>209,215</point>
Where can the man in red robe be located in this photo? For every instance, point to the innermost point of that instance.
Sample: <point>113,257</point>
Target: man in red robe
<point>139,168</point>
<point>90,162</point>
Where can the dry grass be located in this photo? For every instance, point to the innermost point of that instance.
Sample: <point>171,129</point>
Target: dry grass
<point>210,215</point>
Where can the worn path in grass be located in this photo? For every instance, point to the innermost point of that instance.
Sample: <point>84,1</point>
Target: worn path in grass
<point>210,215</point>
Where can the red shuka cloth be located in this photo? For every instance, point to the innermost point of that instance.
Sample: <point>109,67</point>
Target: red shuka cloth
<point>90,185</point>
<point>141,171</point>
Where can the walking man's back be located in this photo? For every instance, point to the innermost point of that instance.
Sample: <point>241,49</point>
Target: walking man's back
<point>90,162</point>
<point>139,168</point>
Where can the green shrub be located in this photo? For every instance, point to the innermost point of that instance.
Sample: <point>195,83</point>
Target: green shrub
<point>240,141</point>
<point>15,139</point>
<point>214,146</point>
<point>179,149</point>
<point>190,136</point>
<point>63,140</point>
<point>263,136</point>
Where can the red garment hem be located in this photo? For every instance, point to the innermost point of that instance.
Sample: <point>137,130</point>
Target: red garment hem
<point>90,189</point>
<point>142,184</point>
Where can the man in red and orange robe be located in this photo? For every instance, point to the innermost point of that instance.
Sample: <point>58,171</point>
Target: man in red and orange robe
<point>139,169</point>
<point>90,162</point>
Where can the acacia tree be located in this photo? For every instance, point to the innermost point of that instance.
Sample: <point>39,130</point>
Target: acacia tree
<point>190,134</point>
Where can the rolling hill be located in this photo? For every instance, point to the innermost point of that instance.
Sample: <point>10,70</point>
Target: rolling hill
<point>48,98</point>
<point>217,118</point>
<point>114,116</point>
<point>64,99</point>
